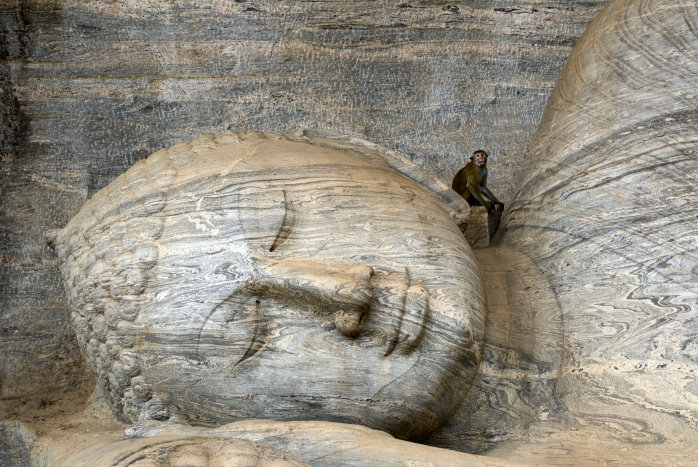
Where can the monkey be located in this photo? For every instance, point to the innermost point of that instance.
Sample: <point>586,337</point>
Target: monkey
<point>471,182</point>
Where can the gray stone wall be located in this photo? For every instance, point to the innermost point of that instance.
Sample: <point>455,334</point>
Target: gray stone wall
<point>89,88</point>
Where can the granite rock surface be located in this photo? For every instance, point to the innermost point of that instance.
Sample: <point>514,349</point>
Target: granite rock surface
<point>609,214</point>
<point>87,89</point>
<point>321,444</point>
<point>589,354</point>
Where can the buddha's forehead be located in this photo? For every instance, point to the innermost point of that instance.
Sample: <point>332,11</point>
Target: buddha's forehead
<point>333,204</point>
<point>337,188</point>
<point>307,164</point>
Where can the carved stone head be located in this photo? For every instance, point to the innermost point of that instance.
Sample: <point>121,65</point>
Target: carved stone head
<point>261,276</point>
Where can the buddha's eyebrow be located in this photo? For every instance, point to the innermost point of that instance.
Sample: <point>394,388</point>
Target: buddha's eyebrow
<point>287,223</point>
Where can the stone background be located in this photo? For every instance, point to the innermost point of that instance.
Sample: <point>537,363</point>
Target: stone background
<point>89,88</point>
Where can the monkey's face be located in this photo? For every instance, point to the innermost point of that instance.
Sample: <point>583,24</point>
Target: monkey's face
<point>480,159</point>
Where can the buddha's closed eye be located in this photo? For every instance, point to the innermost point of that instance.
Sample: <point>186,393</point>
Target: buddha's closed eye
<point>236,327</point>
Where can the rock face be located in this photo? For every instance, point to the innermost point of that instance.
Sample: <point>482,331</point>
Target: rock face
<point>482,226</point>
<point>184,451</point>
<point>87,89</point>
<point>590,353</point>
<point>321,444</point>
<point>259,276</point>
<point>609,215</point>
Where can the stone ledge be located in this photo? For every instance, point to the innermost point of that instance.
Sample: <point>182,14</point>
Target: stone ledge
<point>481,226</point>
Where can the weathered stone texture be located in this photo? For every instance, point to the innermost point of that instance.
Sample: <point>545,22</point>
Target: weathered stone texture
<point>609,216</point>
<point>89,88</point>
<point>590,354</point>
<point>482,226</point>
<point>321,444</point>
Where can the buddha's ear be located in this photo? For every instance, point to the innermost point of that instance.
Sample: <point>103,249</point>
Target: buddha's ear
<point>379,155</point>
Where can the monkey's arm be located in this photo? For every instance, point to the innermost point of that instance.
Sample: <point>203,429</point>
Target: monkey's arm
<point>489,194</point>
<point>474,187</point>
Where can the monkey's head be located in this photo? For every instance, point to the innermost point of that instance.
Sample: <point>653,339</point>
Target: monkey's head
<point>479,158</point>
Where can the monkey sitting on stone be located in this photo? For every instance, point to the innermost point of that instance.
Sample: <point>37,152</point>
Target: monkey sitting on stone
<point>471,182</point>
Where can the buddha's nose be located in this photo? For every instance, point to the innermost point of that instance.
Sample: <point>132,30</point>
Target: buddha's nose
<point>341,289</point>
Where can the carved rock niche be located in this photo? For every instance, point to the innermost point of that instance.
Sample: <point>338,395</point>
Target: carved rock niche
<point>254,275</point>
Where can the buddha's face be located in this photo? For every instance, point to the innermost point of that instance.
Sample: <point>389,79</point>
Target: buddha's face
<point>299,286</point>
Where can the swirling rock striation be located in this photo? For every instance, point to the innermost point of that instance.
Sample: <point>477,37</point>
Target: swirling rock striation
<point>609,212</point>
<point>184,451</point>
